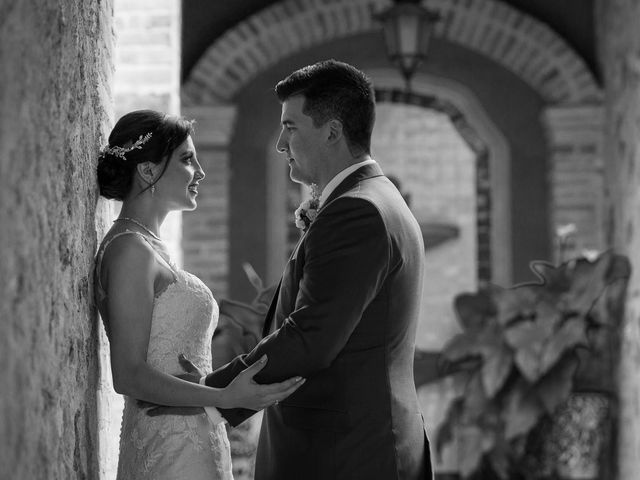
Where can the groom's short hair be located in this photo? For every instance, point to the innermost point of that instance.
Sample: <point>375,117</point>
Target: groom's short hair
<point>335,90</point>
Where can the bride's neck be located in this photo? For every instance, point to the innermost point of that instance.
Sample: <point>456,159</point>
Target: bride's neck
<point>145,212</point>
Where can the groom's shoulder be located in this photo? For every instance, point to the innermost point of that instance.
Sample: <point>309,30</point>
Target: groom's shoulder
<point>377,191</point>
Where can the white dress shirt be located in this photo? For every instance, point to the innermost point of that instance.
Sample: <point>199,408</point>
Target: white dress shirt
<point>337,180</point>
<point>212,412</point>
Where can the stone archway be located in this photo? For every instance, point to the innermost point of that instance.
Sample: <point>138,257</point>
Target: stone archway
<point>510,39</point>
<point>513,40</point>
<point>477,129</point>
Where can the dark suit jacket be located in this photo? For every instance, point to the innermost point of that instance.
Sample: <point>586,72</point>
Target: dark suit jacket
<point>345,318</point>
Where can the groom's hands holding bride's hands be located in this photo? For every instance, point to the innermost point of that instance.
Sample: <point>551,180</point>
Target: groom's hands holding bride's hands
<point>242,392</point>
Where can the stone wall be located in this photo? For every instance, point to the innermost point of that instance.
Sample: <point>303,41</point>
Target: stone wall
<point>55,72</point>
<point>619,42</point>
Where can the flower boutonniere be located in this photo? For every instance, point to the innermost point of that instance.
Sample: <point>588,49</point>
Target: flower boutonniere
<point>307,212</point>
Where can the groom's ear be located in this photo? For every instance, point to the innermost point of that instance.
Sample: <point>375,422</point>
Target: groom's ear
<point>334,131</point>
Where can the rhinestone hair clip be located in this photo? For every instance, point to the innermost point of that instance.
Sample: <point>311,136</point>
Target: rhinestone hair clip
<point>122,151</point>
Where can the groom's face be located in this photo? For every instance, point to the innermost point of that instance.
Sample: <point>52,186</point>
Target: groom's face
<point>301,141</point>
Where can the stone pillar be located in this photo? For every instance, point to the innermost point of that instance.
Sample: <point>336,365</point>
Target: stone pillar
<point>56,65</point>
<point>576,177</point>
<point>618,30</point>
<point>205,237</point>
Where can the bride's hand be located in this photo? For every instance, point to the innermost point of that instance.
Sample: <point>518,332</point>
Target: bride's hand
<point>244,392</point>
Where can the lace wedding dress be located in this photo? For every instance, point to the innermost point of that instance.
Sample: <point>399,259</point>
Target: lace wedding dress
<point>172,446</point>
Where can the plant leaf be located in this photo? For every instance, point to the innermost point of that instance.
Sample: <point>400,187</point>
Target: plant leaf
<point>619,268</point>
<point>475,400</point>
<point>469,449</point>
<point>570,335</point>
<point>497,366</point>
<point>446,430</point>
<point>514,303</point>
<point>473,309</point>
<point>588,282</point>
<point>548,316</point>
<point>552,277</point>
<point>499,459</point>
<point>555,387</point>
<point>527,339</point>
<point>522,411</point>
<point>462,346</point>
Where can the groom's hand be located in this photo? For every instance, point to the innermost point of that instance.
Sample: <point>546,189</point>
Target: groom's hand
<point>192,374</point>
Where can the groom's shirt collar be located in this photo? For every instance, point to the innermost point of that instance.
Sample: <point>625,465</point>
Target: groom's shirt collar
<point>337,180</point>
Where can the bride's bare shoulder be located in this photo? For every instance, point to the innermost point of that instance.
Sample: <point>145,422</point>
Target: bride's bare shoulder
<point>127,251</point>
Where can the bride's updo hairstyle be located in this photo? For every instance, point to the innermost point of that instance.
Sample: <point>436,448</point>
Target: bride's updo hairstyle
<point>138,137</point>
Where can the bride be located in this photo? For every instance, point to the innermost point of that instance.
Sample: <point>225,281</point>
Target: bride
<point>153,312</point>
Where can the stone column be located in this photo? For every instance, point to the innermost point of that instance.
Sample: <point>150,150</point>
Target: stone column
<point>576,185</point>
<point>56,66</point>
<point>205,237</point>
<point>618,31</point>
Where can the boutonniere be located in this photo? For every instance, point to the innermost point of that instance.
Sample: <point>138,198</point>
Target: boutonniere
<point>307,212</point>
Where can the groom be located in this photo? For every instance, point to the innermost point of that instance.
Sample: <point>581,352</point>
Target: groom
<point>345,313</point>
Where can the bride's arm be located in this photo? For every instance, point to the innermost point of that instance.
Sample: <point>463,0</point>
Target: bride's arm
<point>131,272</point>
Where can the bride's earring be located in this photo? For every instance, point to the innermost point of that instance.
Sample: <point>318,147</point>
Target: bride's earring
<point>150,176</point>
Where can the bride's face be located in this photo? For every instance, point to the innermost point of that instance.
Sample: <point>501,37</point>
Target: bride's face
<point>178,187</point>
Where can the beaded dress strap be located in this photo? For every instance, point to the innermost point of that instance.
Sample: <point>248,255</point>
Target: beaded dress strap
<point>101,290</point>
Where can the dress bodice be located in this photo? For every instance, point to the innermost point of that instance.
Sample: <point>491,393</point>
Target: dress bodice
<point>184,317</point>
<point>185,314</point>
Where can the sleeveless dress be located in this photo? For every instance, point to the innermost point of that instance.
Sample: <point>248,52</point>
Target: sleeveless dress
<point>184,317</point>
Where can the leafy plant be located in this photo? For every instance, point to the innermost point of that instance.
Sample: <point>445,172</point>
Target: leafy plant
<point>519,352</point>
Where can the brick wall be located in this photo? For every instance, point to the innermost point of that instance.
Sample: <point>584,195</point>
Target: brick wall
<point>576,176</point>
<point>55,72</point>
<point>147,55</point>
<point>205,236</point>
<point>619,41</point>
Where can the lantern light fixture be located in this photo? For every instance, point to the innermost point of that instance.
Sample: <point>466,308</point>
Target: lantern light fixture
<point>407,28</point>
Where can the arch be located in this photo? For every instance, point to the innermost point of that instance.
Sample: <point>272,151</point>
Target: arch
<point>516,41</point>
<point>479,131</point>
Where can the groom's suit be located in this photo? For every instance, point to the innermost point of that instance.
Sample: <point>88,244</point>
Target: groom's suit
<point>345,318</point>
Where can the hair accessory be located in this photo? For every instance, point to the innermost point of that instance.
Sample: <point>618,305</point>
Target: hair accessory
<point>122,151</point>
